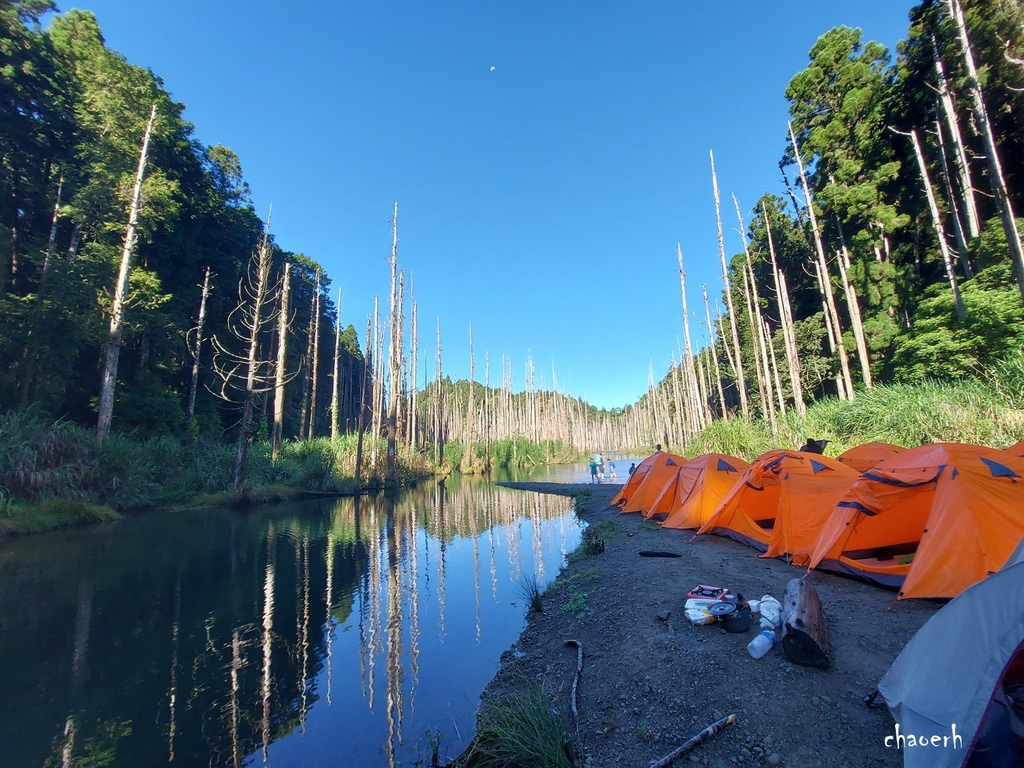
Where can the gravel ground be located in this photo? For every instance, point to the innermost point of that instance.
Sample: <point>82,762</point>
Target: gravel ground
<point>651,680</point>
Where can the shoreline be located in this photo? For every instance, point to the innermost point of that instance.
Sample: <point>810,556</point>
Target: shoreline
<point>650,680</point>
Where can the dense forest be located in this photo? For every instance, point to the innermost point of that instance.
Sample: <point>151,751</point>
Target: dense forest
<point>140,290</point>
<point>906,263</point>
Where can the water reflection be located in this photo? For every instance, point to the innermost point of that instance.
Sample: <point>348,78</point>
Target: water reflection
<point>334,633</point>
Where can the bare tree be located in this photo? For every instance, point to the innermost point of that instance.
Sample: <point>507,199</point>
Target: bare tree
<point>247,375</point>
<point>117,309</point>
<point>940,233</point>
<point>282,349</point>
<point>198,347</point>
<point>737,359</point>
<point>995,168</point>
<point>334,376</point>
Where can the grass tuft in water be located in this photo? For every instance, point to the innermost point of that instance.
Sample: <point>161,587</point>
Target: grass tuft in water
<point>522,730</point>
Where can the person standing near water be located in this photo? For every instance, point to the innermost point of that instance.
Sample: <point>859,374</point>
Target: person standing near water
<point>593,471</point>
<point>632,468</point>
<point>611,471</point>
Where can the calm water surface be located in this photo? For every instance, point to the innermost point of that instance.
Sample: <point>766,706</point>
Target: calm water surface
<point>334,633</point>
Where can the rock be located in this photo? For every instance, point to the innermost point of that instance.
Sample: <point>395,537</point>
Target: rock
<point>774,758</point>
<point>826,699</point>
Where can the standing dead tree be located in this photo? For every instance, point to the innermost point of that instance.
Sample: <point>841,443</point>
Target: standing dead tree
<point>844,381</point>
<point>117,308</point>
<point>940,232</point>
<point>282,356</point>
<point>995,169</point>
<point>247,375</point>
<point>198,347</point>
<point>737,358</point>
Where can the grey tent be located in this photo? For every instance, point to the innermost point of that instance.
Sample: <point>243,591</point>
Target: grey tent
<point>950,679</point>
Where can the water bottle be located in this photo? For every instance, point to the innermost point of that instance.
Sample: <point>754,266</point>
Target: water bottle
<point>761,644</point>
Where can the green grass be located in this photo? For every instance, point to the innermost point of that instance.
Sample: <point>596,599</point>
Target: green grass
<point>521,730</point>
<point>530,591</point>
<point>986,411</point>
<point>576,602</point>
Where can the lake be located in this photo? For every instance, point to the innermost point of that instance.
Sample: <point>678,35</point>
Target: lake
<point>341,632</point>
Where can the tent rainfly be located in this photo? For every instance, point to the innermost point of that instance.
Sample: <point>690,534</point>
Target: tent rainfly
<point>930,520</point>
<point>961,679</point>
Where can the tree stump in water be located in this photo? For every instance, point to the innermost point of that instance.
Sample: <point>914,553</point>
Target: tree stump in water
<point>804,629</point>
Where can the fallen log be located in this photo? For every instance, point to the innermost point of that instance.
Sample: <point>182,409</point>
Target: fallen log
<point>701,737</point>
<point>804,628</point>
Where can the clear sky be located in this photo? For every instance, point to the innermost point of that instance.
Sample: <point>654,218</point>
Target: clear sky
<point>546,157</point>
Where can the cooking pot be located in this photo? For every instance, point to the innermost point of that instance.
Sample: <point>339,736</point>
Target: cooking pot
<point>732,616</point>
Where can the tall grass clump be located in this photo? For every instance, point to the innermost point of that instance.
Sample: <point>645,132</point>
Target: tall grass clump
<point>530,591</point>
<point>40,460</point>
<point>967,411</point>
<point>521,730</point>
<point>746,439</point>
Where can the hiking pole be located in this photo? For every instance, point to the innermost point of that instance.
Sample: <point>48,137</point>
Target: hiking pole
<point>700,738</point>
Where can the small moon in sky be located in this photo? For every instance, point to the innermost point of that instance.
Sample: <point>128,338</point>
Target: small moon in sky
<point>492,69</point>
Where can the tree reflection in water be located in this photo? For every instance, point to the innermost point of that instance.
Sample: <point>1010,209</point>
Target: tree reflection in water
<point>328,633</point>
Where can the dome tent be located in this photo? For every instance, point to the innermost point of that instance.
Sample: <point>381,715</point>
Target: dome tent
<point>930,520</point>
<point>700,486</point>
<point>960,675</point>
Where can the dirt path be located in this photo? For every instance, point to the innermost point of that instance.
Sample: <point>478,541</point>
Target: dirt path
<point>651,680</point>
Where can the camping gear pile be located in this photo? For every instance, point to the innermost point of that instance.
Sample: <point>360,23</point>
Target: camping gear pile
<point>929,521</point>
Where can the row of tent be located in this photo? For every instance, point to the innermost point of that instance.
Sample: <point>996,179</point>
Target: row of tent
<point>929,521</point>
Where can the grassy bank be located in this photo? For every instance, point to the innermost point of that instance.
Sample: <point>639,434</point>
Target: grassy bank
<point>987,412</point>
<point>52,474</point>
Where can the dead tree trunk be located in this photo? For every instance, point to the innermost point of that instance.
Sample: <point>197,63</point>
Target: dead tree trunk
<point>753,316</point>
<point>962,247</point>
<point>804,628</point>
<point>700,412</point>
<point>831,313</point>
<point>468,436</point>
<point>853,306</point>
<point>786,323</point>
<point>995,168</point>
<point>194,386</point>
<point>334,376</point>
<point>940,233</point>
<point>307,362</point>
<point>113,353</point>
<point>714,356</point>
<point>394,354</point>
<point>367,368</point>
<point>737,361</point>
<point>279,374</point>
<point>438,405</point>
<point>316,362</point>
<point>960,163</point>
<point>414,343</point>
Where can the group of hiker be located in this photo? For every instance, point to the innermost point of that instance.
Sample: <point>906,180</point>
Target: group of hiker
<point>599,469</point>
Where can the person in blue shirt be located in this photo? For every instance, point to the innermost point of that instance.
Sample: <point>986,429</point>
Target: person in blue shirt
<point>593,471</point>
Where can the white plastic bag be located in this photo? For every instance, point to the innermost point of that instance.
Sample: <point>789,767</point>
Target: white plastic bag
<point>699,617</point>
<point>771,613</point>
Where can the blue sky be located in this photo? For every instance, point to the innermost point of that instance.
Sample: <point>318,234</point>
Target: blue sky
<point>546,157</point>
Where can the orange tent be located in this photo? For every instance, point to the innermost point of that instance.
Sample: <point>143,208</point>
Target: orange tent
<point>808,492</point>
<point>662,470</point>
<point>864,457</point>
<point>700,486</point>
<point>931,520</point>
<point>750,510</point>
<point>634,480</point>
